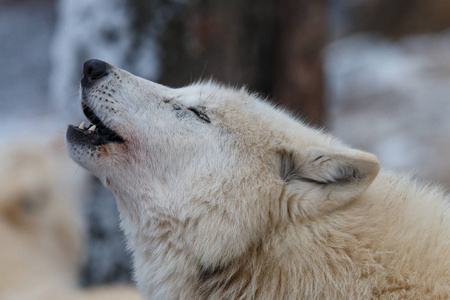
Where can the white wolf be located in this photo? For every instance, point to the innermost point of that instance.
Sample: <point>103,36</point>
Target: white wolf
<point>223,196</point>
<point>41,233</point>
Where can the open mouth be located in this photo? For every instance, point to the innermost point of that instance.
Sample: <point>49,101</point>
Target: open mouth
<point>97,133</point>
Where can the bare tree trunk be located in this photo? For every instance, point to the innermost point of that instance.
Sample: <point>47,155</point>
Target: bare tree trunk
<point>271,46</point>
<point>231,41</point>
<point>298,80</point>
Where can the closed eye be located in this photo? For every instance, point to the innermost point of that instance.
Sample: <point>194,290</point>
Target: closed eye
<point>200,114</point>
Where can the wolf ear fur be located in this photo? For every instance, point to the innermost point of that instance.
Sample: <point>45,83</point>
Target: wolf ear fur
<point>333,175</point>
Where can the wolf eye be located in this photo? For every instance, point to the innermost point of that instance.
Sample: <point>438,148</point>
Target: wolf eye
<point>200,114</point>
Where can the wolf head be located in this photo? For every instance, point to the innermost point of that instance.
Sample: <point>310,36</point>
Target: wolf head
<point>222,162</point>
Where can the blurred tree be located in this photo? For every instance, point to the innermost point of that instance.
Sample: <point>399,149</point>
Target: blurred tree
<point>273,47</point>
<point>397,18</point>
<point>298,80</point>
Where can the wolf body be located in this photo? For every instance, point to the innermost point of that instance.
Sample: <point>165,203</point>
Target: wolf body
<point>224,196</point>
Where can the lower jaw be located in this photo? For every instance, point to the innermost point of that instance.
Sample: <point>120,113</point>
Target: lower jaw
<point>86,137</point>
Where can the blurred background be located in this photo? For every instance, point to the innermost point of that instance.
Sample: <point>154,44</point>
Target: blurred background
<point>375,73</point>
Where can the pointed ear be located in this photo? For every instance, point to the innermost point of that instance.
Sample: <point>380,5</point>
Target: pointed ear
<point>335,175</point>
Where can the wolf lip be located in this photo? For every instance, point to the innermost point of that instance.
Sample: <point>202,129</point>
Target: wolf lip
<point>96,134</point>
<point>89,113</point>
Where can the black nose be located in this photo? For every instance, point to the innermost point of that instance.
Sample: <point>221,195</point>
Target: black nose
<point>93,69</point>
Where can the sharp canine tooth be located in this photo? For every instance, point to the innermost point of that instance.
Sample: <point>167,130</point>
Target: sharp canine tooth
<point>82,126</point>
<point>92,128</point>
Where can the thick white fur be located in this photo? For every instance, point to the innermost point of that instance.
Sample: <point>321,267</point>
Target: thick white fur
<point>255,204</point>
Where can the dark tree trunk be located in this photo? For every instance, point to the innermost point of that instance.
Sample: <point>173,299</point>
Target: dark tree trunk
<point>231,41</point>
<point>397,18</point>
<point>298,80</point>
<point>271,46</point>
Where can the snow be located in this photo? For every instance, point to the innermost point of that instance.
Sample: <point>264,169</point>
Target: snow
<point>393,98</point>
<point>25,32</point>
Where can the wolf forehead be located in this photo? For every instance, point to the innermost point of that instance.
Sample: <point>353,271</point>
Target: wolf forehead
<point>240,121</point>
<point>239,108</point>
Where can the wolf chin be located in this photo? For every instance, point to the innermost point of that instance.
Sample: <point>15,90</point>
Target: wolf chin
<point>224,196</point>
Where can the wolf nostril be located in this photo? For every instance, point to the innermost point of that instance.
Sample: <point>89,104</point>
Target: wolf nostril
<point>93,69</point>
